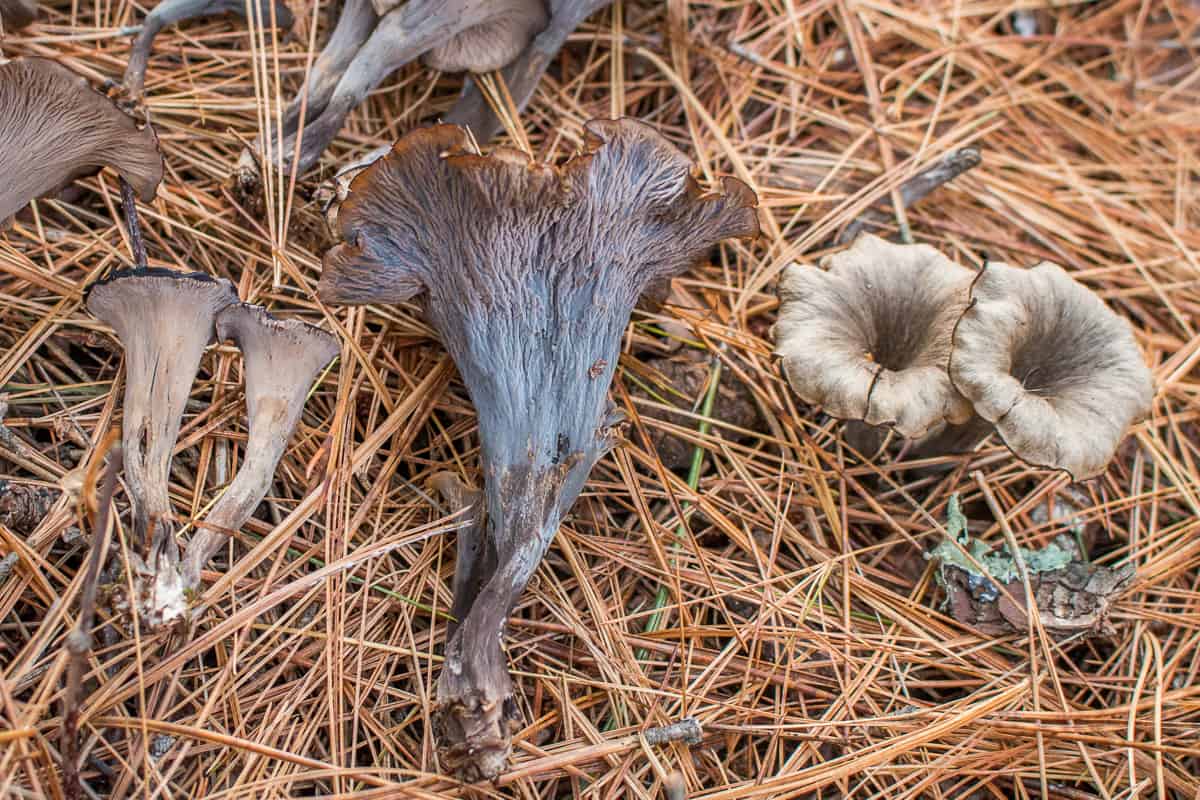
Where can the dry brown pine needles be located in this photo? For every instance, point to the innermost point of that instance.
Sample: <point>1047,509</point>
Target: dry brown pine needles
<point>799,623</point>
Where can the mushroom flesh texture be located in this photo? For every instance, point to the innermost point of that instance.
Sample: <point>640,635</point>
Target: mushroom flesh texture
<point>370,42</point>
<point>164,321</point>
<point>282,358</point>
<point>171,12</point>
<point>529,273</point>
<point>1053,368</point>
<point>56,128</point>
<point>524,73</point>
<point>867,337</point>
<point>16,14</point>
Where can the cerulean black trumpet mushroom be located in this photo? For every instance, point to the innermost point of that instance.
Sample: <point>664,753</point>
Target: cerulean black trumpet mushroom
<point>529,273</point>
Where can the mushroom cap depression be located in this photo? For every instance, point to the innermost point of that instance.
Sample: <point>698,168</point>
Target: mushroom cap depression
<point>16,14</point>
<point>867,336</point>
<point>1051,366</point>
<point>492,44</point>
<point>56,128</point>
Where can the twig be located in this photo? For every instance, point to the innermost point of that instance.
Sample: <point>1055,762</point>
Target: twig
<point>915,189</point>
<point>79,640</point>
<point>129,206</point>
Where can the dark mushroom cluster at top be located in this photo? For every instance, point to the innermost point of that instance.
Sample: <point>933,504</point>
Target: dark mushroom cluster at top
<point>374,38</point>
<point>900,336</point>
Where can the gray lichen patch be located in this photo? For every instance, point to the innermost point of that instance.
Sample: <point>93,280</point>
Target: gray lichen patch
<point>984,588</point>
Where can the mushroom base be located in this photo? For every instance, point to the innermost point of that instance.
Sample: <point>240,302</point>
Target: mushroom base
<point>474,727</point>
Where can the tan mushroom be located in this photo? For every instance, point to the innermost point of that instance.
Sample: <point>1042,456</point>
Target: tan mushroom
<point>56,128</point>
<point>867,336</point>
<point>1055,370</point>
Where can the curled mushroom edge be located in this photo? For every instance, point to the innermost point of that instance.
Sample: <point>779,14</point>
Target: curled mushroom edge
<point>867,335</point>
<point>529,273</point>
<point>1054,369</point>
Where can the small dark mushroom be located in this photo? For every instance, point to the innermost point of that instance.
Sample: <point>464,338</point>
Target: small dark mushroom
<point>282,358</point>
<point>529,273</point>
<point>522,76</point>
<point>56,128</point>
<point>476,35</point>
<point>16,14</point>
<point>172,12</point>
<point>164,321</point>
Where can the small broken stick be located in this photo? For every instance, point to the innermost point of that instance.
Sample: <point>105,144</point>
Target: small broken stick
<point>915,189</point>
<point>1072,596</point>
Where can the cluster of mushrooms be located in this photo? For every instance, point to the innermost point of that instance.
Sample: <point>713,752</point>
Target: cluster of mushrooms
<point>529,272</point>
<point>165,320</point>
<point>901,337</point>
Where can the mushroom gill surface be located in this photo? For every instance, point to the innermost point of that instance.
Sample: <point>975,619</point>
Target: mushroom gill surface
<point>56,128</point>
<point>1055,370</point>
<point>867,336</point>
<point>529,273</point>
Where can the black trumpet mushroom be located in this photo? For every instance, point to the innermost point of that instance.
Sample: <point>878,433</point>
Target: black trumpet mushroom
<point>528,272</point>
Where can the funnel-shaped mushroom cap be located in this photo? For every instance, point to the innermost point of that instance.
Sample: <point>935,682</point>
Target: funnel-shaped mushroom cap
<point>530,273</point>
<point>16,14</point>
<point>867,337</point>
<point>1051,366</point>
<point>164,320</point>
<point>282,358</point>
<point>55,128</point>
<point>494,43</point>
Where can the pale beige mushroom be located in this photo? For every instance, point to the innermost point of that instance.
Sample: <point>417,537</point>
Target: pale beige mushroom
<point>867,336</point>
<point>1053,368</point>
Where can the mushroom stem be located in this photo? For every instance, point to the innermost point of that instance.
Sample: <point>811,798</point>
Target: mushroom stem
<point>129,207</point>
<point>522,76</point>
<point>282,358</point>
<point>400,37</point>
<point>476,557</point>
<point>171,12</point>
<point>530,273</point>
